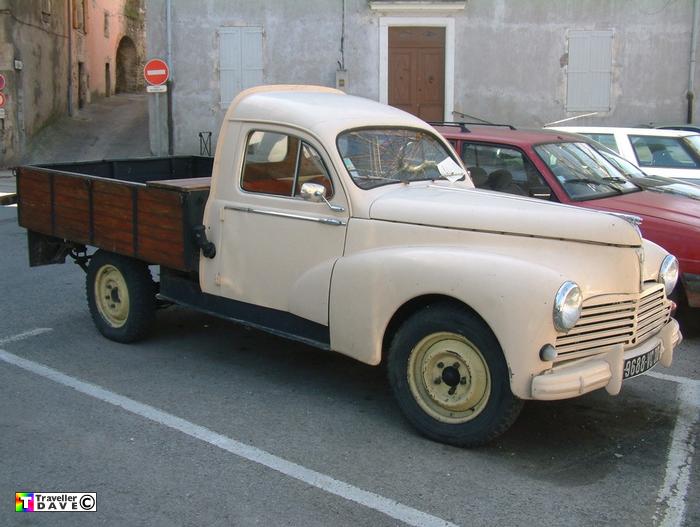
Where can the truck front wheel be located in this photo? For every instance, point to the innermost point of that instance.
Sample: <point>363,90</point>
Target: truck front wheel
<point>449,376</point>
<point>121,296</point>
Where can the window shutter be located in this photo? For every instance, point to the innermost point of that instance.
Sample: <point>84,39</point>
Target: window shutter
<point>240,60</point>
<point>589,73</point>
<point>252,57</point>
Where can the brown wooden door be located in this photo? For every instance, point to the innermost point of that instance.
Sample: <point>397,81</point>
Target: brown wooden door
<point>417,71</point>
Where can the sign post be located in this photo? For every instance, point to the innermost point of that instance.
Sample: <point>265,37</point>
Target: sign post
<point>156,73</point>
<point>2,97</point>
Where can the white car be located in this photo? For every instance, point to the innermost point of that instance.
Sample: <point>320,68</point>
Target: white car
<point>669,153</point>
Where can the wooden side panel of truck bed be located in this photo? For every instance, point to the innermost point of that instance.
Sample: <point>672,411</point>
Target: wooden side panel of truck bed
<point>144,221</point>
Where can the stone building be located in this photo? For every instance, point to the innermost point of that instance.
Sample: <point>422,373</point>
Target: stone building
<point>525,62</point>
<point>56,55</point>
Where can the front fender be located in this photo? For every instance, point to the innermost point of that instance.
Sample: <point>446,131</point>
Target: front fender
<point>514,297</point>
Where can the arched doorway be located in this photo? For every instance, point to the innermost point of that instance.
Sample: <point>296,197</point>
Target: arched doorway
<point>127,66</point>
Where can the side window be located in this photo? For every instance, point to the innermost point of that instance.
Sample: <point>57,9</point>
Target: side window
<point>503,169</point>
<point>279,164</point>
<point>312,170</point>
<point>661,152</point>
<point>468,154</point>
<point>605,140</point>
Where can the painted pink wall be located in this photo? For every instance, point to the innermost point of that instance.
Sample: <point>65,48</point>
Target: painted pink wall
<point>102,49</point>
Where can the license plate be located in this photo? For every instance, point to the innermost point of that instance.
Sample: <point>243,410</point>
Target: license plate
<point>641,363</point>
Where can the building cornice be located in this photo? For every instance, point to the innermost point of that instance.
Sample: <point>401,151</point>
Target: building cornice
<point>418,6</point>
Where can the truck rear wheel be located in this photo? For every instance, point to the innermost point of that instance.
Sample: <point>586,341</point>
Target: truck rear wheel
<point>449,376</point>
<point>121,295</point>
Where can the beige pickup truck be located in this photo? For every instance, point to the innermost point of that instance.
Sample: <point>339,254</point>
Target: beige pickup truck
<point>353,227</point>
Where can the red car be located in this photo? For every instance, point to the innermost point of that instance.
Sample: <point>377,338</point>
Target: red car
<point>565,168</point>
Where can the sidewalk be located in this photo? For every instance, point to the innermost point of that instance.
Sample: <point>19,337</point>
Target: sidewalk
<point>109,128</point>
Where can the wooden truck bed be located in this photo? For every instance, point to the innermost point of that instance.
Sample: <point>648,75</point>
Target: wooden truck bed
<point>143,208</point>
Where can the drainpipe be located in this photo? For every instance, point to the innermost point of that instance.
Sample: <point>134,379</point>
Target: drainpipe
<point>691,75</point>
<point>168,23</point>
<point>69,20</point>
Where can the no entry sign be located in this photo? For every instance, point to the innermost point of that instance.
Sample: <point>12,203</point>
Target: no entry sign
<point>156,72</point>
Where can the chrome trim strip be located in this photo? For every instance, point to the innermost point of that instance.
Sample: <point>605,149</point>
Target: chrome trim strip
<point>325,221</point>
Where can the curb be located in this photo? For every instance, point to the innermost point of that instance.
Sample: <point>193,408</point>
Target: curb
<point>8,199</point>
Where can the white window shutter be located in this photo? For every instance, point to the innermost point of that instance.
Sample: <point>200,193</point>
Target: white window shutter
<point>589,73</point>
<point>240,60</point>
<point>252,57</point>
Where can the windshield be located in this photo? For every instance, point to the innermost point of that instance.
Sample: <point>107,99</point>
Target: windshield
<point>583,171</point>
<point>375,157</point>
<point>665,152</point>
<point>694,142</point>
<point>628,169</point>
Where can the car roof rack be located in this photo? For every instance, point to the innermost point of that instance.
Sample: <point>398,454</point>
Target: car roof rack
<point>463,127</point>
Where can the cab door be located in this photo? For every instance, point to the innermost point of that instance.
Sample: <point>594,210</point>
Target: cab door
<point>274,248</point>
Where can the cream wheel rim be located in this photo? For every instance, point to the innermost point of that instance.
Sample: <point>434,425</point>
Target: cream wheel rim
<point>112,295</point>
<point>449,378</point>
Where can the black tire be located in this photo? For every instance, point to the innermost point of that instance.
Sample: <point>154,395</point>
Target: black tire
<point>127,312</point>
<point>688,317</point>
<point>484,409</point>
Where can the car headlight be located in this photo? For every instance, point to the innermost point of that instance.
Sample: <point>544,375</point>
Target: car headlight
<point>668,274</point>
<point>567,306</point>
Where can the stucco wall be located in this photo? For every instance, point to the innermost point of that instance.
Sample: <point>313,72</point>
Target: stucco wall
<point>511,66</point>
<point>510,58</point>
<point>38,92</point>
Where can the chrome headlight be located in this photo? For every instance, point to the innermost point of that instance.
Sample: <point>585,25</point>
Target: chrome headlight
<point>567,306</point>
<point>668,274</point>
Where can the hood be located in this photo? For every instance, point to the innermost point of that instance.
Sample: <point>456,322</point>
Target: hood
<point>649,204</point>
<point>669,186</point>
<point>487,211</point>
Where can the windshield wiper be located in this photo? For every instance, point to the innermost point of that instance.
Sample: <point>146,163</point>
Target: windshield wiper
<point>615,179</point>
<point>379,178</point>
<point>593,182</point>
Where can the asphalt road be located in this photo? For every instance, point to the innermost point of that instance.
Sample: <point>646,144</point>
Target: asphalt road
<point>162,430</point>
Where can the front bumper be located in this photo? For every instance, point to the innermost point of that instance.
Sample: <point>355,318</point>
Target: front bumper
<point>603,370</point>
<point>691,286</point>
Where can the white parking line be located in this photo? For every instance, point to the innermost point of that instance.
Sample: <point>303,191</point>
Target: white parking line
<point>673,494</point>
<point>686,381</point>
<point>25,335</point>
<point>390,507</point>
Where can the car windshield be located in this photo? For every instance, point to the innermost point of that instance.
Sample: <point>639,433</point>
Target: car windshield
<point>653,183</point>
<point>583,172</point>
<point>375,157</point>
<point>693,141</point>
<point>666,152</point>
<point>630,170</point>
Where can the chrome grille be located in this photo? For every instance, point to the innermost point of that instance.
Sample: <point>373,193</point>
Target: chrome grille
<point>609,320</point>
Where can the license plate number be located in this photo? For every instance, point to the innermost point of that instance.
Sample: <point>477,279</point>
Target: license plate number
<point>641,363</point>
